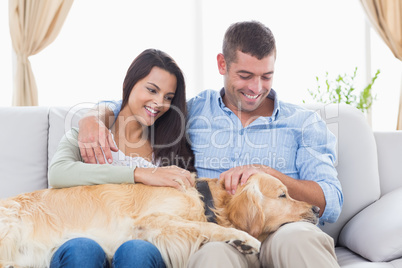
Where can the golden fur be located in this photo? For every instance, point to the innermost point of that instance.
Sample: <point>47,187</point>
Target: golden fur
<point>34,225</point>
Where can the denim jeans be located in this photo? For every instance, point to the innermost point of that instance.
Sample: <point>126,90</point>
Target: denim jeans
<point>84,252</point>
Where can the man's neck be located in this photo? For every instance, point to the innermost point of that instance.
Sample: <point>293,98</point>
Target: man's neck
<point>247,117</point>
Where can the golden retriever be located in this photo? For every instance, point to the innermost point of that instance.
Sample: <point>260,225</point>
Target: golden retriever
<point>34,225</point>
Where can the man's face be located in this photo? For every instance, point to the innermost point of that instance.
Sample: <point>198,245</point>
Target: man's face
<point>247,81</point>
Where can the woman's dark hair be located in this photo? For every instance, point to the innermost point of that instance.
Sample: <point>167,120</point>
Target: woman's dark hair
<point>167,135</point>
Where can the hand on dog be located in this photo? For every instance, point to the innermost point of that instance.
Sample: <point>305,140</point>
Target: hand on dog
<point>171,176</point>
<point>240,174</point>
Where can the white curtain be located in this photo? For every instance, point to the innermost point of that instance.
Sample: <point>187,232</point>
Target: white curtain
<point>34,24</point>
<point>386,18</point>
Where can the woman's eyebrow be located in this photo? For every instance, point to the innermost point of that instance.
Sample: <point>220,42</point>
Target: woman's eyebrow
<point>155,85</point>
<point>158,88</point>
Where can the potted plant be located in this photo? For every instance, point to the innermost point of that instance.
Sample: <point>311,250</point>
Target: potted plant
<point>343,90</point>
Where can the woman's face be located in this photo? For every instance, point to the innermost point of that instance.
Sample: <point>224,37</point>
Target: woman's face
<point>151,97</point>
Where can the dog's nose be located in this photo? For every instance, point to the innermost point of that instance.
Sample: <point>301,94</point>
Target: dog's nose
<point>316,210</point>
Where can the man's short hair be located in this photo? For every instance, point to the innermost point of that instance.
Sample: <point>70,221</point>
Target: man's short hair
<point>249,37</point>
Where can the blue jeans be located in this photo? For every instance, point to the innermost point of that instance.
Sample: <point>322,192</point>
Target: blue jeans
<point>84,252</point>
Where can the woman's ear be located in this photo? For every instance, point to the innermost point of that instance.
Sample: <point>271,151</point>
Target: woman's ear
<point>221,64</point>
<point>245,211</point>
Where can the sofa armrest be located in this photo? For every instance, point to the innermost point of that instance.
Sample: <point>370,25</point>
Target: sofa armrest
<point>375,233</point>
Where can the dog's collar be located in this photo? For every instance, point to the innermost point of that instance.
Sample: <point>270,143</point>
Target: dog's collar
<point>206,196</point>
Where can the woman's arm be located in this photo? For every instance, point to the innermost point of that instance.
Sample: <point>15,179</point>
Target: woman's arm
<point>67,168</point>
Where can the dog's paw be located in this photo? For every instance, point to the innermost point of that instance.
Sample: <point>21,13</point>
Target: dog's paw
<point>246,247</point>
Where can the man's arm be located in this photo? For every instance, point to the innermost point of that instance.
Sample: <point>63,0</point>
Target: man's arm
<point>94,135</point>
<point>317,183</point>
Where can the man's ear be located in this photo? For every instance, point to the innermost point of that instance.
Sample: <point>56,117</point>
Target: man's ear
<point>221,64</point>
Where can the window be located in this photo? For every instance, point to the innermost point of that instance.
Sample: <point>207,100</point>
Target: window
<point>88,60</point>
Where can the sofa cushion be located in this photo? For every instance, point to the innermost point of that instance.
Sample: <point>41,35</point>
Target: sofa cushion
<point>375,233</point>
<point>348,259</point>
<point>23,142</point>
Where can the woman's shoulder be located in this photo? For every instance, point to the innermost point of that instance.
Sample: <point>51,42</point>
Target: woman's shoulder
<point>70,136</point>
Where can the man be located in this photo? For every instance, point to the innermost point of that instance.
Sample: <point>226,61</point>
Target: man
<point>244,129</point>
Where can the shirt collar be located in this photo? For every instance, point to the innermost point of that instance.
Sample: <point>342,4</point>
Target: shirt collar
<point>272,95</point>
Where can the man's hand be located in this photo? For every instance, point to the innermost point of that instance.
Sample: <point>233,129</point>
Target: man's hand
<point>171,176</point>
<point>240,174</point>
<point>93,137</point>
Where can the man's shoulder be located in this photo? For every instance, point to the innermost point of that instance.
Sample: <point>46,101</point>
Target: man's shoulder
<point>204,97</point>
<point>301,117</point>
<point>206,94</point>
<point>291,109</point>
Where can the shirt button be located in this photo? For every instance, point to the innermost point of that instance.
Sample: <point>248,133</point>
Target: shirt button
<point>241,131</point>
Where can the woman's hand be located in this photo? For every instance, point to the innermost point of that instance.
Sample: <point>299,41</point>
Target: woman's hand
<point>171,176</point>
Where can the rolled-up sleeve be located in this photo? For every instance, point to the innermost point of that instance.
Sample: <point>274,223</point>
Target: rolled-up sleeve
<point>315,161</point>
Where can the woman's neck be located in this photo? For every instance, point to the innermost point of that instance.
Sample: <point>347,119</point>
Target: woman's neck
<point>131,136</point>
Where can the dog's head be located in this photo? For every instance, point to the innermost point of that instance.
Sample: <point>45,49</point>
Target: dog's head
<point>263,204</point>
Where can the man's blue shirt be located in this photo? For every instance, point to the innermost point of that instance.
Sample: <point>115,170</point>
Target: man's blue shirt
<point>294,141</point>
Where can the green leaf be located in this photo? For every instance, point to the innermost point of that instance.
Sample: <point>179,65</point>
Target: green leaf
<point>342,90</point>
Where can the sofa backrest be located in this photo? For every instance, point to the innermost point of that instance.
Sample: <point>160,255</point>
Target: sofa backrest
<point>357,163</point>
<point>29,138</point>
<point>23,154</point>
<point>389,151</point>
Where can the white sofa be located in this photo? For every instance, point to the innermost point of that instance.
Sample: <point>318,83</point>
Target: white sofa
<point>368,232</point>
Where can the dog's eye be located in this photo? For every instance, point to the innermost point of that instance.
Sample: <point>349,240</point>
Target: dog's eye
<point>283,195</point>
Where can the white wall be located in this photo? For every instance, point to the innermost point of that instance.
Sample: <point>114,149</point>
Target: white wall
<point>88,60</point>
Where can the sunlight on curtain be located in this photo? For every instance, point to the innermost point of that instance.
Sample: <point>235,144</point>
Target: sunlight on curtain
<point>386,19</point>
<point>6,87</point>
<point>33,26</point>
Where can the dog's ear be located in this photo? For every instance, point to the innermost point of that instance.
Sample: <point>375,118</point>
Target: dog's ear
<point>245,211</point>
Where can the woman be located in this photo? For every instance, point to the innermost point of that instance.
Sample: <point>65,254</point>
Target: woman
<point>150,134</point>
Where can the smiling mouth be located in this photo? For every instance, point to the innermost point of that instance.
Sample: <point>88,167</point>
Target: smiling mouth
<point>151,111</point>
<point>251,97</point>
